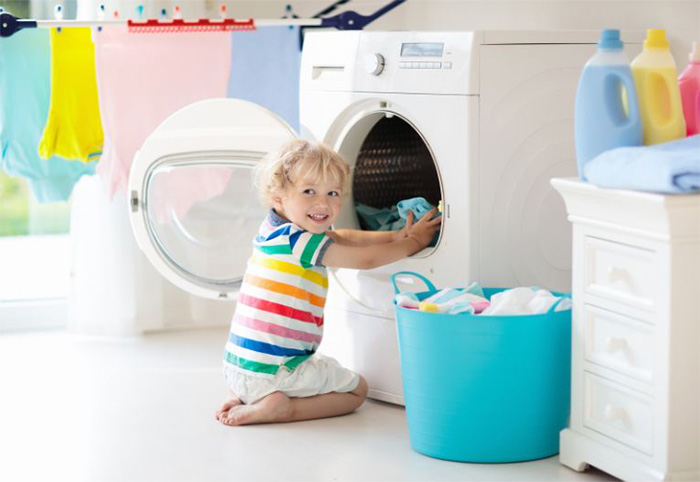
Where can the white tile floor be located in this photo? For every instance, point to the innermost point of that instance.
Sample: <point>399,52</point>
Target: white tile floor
<point>85,409</point>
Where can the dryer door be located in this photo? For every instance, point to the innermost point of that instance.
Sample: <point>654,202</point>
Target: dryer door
<point>194,210</point>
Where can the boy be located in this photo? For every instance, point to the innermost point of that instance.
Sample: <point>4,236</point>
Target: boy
<point>270,362</point>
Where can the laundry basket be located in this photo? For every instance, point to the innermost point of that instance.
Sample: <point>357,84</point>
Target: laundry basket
<point>484,388</point>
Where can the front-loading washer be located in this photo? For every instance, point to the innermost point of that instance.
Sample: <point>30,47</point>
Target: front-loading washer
<point>479,121</point>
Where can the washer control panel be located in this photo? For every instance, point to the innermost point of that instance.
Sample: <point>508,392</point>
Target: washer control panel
<point>423,55</point>
<point>424,65</point>
<point>444,63</point>
<point>417,62</point>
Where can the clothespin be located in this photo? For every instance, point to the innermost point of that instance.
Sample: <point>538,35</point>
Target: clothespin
<point>101,12</point>
<point>289,13</point>
<point>177,14</point>
<point>139,11</point>
<point>163,13</point>
<point>222,11</point>
<point>58,14</point>
<point>115,14</point>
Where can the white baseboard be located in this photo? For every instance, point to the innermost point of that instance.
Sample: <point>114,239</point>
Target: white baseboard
<point>33,315</point>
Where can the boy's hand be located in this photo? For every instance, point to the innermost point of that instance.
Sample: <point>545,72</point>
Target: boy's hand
<point>403,232</point>
<point>424,230</point>
<point>408,241</point>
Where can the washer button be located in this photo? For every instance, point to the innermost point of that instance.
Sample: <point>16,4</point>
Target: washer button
<point>447,65</point>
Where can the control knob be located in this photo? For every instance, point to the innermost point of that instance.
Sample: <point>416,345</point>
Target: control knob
<point>374,64</point>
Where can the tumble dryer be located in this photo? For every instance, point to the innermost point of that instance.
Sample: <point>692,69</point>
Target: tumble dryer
<point>478,120</point>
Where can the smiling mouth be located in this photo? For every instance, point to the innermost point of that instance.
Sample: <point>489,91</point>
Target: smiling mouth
<point>318,217</point>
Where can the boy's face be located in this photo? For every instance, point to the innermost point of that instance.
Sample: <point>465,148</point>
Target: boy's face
<point>312,205</point>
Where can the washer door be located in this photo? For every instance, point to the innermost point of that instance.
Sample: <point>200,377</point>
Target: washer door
<point>194,210</point>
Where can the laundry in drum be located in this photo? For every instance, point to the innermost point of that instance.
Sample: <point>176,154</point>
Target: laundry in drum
<point>394,218</point>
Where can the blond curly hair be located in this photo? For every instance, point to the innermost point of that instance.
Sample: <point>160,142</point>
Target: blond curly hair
<point>295,160</point>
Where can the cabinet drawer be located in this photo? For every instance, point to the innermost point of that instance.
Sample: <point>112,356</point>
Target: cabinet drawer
<point>620,343</point>
<point>621,273</point>
<point>618,412</point>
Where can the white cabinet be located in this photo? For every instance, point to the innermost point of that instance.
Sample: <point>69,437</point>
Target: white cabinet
<point>635,380</point>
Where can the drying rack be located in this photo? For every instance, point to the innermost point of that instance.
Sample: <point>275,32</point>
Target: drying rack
<point>349,20</point>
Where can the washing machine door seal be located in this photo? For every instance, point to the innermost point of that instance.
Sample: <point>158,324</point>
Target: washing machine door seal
<point>193,208</point>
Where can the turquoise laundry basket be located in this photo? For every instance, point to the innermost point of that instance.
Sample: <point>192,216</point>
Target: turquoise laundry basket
<point>484,388</point>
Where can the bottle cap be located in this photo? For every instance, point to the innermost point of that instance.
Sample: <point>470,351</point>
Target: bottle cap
<point>610,40</point>
<point>694,53</point>
<point>656,39</point>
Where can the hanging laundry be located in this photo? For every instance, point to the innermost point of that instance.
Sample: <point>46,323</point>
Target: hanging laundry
<point>265,70</point>
<point>74,129</point>
<point>24,106</point>
<point>144,78</point>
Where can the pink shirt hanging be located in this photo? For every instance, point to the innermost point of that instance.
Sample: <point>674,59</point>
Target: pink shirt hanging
<point>143,78</point>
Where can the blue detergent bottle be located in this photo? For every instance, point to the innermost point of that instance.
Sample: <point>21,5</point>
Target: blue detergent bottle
<point>607,109</point>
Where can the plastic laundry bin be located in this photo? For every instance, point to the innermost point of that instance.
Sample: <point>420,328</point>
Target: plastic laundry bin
<point>484,388</point>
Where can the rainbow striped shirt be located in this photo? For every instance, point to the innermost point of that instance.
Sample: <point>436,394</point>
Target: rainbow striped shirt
<point>279,314</point>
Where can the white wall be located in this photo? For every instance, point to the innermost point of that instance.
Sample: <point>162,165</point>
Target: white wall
<point>680,18</point>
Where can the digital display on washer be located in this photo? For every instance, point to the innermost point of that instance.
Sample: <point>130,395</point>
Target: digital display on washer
<point>432,49</point>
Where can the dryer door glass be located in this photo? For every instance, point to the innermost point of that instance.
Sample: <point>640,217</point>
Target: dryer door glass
<point>392,162</point>
<point>202,214</point>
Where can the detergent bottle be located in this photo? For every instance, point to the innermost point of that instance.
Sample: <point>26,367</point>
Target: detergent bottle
<point>655,74</point>
<point>602,117</point>
<point>689,84</point>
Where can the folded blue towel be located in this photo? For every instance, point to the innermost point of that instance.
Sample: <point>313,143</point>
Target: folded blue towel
<point>672,167</point>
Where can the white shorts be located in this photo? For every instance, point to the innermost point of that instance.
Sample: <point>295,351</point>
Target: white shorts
<point>317,375</point>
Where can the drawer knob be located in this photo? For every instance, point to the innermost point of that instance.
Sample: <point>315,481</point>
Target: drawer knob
<point>613,344</point>
<point>616,274</point>
<point>613,413</point>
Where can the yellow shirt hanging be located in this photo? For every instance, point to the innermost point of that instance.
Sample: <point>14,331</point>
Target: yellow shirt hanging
<point>73,129</point>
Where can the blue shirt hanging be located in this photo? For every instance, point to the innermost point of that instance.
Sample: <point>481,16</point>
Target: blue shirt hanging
<point>265,67</point>
<point>24,105</point>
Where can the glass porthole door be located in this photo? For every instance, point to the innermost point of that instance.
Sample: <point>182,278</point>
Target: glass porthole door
<point>194,209</point>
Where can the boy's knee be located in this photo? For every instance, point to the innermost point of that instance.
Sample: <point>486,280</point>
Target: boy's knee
<point>362,388</point>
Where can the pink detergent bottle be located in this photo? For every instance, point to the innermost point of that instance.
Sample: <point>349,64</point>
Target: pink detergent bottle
<point>689,83</point>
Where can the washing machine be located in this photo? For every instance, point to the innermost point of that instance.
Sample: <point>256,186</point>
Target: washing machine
<point>478,122</point>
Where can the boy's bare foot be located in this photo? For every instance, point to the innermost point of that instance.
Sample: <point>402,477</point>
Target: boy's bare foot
<point>276,407</point>
<point>228,404</point>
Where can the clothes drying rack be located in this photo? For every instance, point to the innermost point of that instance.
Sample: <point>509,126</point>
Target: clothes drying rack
<point>349,20</point>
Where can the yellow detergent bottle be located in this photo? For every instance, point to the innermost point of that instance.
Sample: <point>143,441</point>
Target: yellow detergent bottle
<point>654,72</point>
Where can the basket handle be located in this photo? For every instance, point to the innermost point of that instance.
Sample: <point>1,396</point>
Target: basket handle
<point>425,280</point>
<point>554,306</point>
